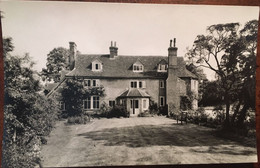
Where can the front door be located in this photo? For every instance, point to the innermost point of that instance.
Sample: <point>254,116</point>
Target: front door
<point>134,108</point>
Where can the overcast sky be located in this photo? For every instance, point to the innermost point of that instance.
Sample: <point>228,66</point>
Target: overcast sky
<point>138,29</point>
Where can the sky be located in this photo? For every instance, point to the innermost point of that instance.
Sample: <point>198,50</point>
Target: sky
<point>138,29</point>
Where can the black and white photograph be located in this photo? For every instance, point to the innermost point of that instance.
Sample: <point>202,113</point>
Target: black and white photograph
<point>117,84</point>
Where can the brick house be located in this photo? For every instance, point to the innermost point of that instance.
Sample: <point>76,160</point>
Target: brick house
<point>133,81</point>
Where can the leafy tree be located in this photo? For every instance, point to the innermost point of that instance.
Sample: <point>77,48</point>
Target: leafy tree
<point>57,60</point>
<point>28,115</point>
<point>223,50</point>
<point>73,94</point>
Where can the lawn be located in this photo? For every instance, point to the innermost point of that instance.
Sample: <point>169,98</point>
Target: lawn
<point>140,141</point>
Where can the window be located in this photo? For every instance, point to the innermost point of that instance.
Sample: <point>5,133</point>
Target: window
<point>137,84</point>
<point>94,83</point>
<point>161,84</point>
<point>62,105</point>
<point>144,104</point>
<point>138,68</point>
<point>140,84</point>
<point>87,103</point>
<point>136,104</point>
<point>134,84</point>
<point>162,100</point>
<point>131,102</point>
<point>95,102</point>
<point>112,103</point>
<point>87,82</point>
<point>162,68</point>
<point>97,67</point>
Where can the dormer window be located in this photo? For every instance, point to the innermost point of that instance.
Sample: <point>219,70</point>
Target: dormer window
<point>162,66</point>
<point>96,65</point>
<point>138,67</point>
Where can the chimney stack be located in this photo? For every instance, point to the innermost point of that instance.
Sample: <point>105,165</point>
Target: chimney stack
<point>172,53</point>
<point>72,55</point>
<point>113,50</point>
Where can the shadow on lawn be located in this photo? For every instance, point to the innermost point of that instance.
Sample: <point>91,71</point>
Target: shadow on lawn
<point>166,135</point>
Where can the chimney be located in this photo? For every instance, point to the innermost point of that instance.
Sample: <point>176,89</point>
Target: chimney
<point>172,54</point>
<point>113,50</point>
<point>72,55</point>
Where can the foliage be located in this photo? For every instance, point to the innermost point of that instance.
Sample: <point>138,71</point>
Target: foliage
<point>231,54</point>
<point>118,111</point>
<point>198,116</point>
<point>28,115</point>
<point>211,94</point>
<point>83,119</point>
<point>57,60</point>
<point>163,110</point>
<point>153,107</point>
<point>145,114</point>
<point>73,94</point>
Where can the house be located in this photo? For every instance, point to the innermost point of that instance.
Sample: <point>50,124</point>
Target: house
<point>133,81</point>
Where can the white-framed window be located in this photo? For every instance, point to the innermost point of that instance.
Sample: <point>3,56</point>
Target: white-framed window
<point>87,103</point>
<point>162,68</point>
<point>138,67</point>
<point>87,82</point>
<point>161,83</point>
<point>96,65</point>
<point>95,102</point>
<point>112,103</point>
<point>62,105</point>
<point>94,82</point>
<point>91,82</point>
<point>162,100</point>
<point>137,84</point>
<point>133,84</point>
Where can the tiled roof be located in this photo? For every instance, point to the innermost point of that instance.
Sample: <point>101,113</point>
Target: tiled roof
<point>121,67</point>
<point>134,92</point>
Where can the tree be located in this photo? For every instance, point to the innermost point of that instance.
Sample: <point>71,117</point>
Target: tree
<point>28,115</point>
<point>222,50</point>
<point>73,94</point>
<point>57,60</point>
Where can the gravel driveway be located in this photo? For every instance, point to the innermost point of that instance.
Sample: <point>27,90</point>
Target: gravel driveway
<point>139,141</point>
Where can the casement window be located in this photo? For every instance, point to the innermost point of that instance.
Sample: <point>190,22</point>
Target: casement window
<point>161,84</point>
<point>137,84</point>
<point>91,82</point>
<point>162,68</point>
<point>95,102</point>
<point>94,82</point>
<point>87,82</point>
<point>162,100</point>
<point>112,103</point>
<point>87,103</point>
<point>138,68</point>
<point>62,105</point>
<point>96,65</point>
<point>133,84</point>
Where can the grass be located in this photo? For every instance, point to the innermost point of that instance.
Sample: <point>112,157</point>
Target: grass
<point>140,141</point>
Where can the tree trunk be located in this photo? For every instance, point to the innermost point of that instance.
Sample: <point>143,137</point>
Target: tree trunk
<point>242,116</point>
<point>227,122</point>
<point>235,112</point>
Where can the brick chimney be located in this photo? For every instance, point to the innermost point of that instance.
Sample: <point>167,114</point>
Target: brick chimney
<point>172,54</point>
<point>72,55</point>
<point>113,50</point>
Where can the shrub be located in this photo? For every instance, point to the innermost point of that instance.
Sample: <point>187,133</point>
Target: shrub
<point>83,119</point>
<point>145,114</point>
<point>153,107</point>
<point>163,110</point>
<point>118,111</point>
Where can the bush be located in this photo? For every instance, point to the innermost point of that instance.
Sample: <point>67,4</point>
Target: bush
<point>153,107</point>
<point>83,119</point>
<point>145,114</point>
<point>163,110</point>
<point>199,116</point>
<point>118,111</point>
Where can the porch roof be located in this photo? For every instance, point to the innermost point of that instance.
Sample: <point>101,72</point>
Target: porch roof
<point>134,92</point>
